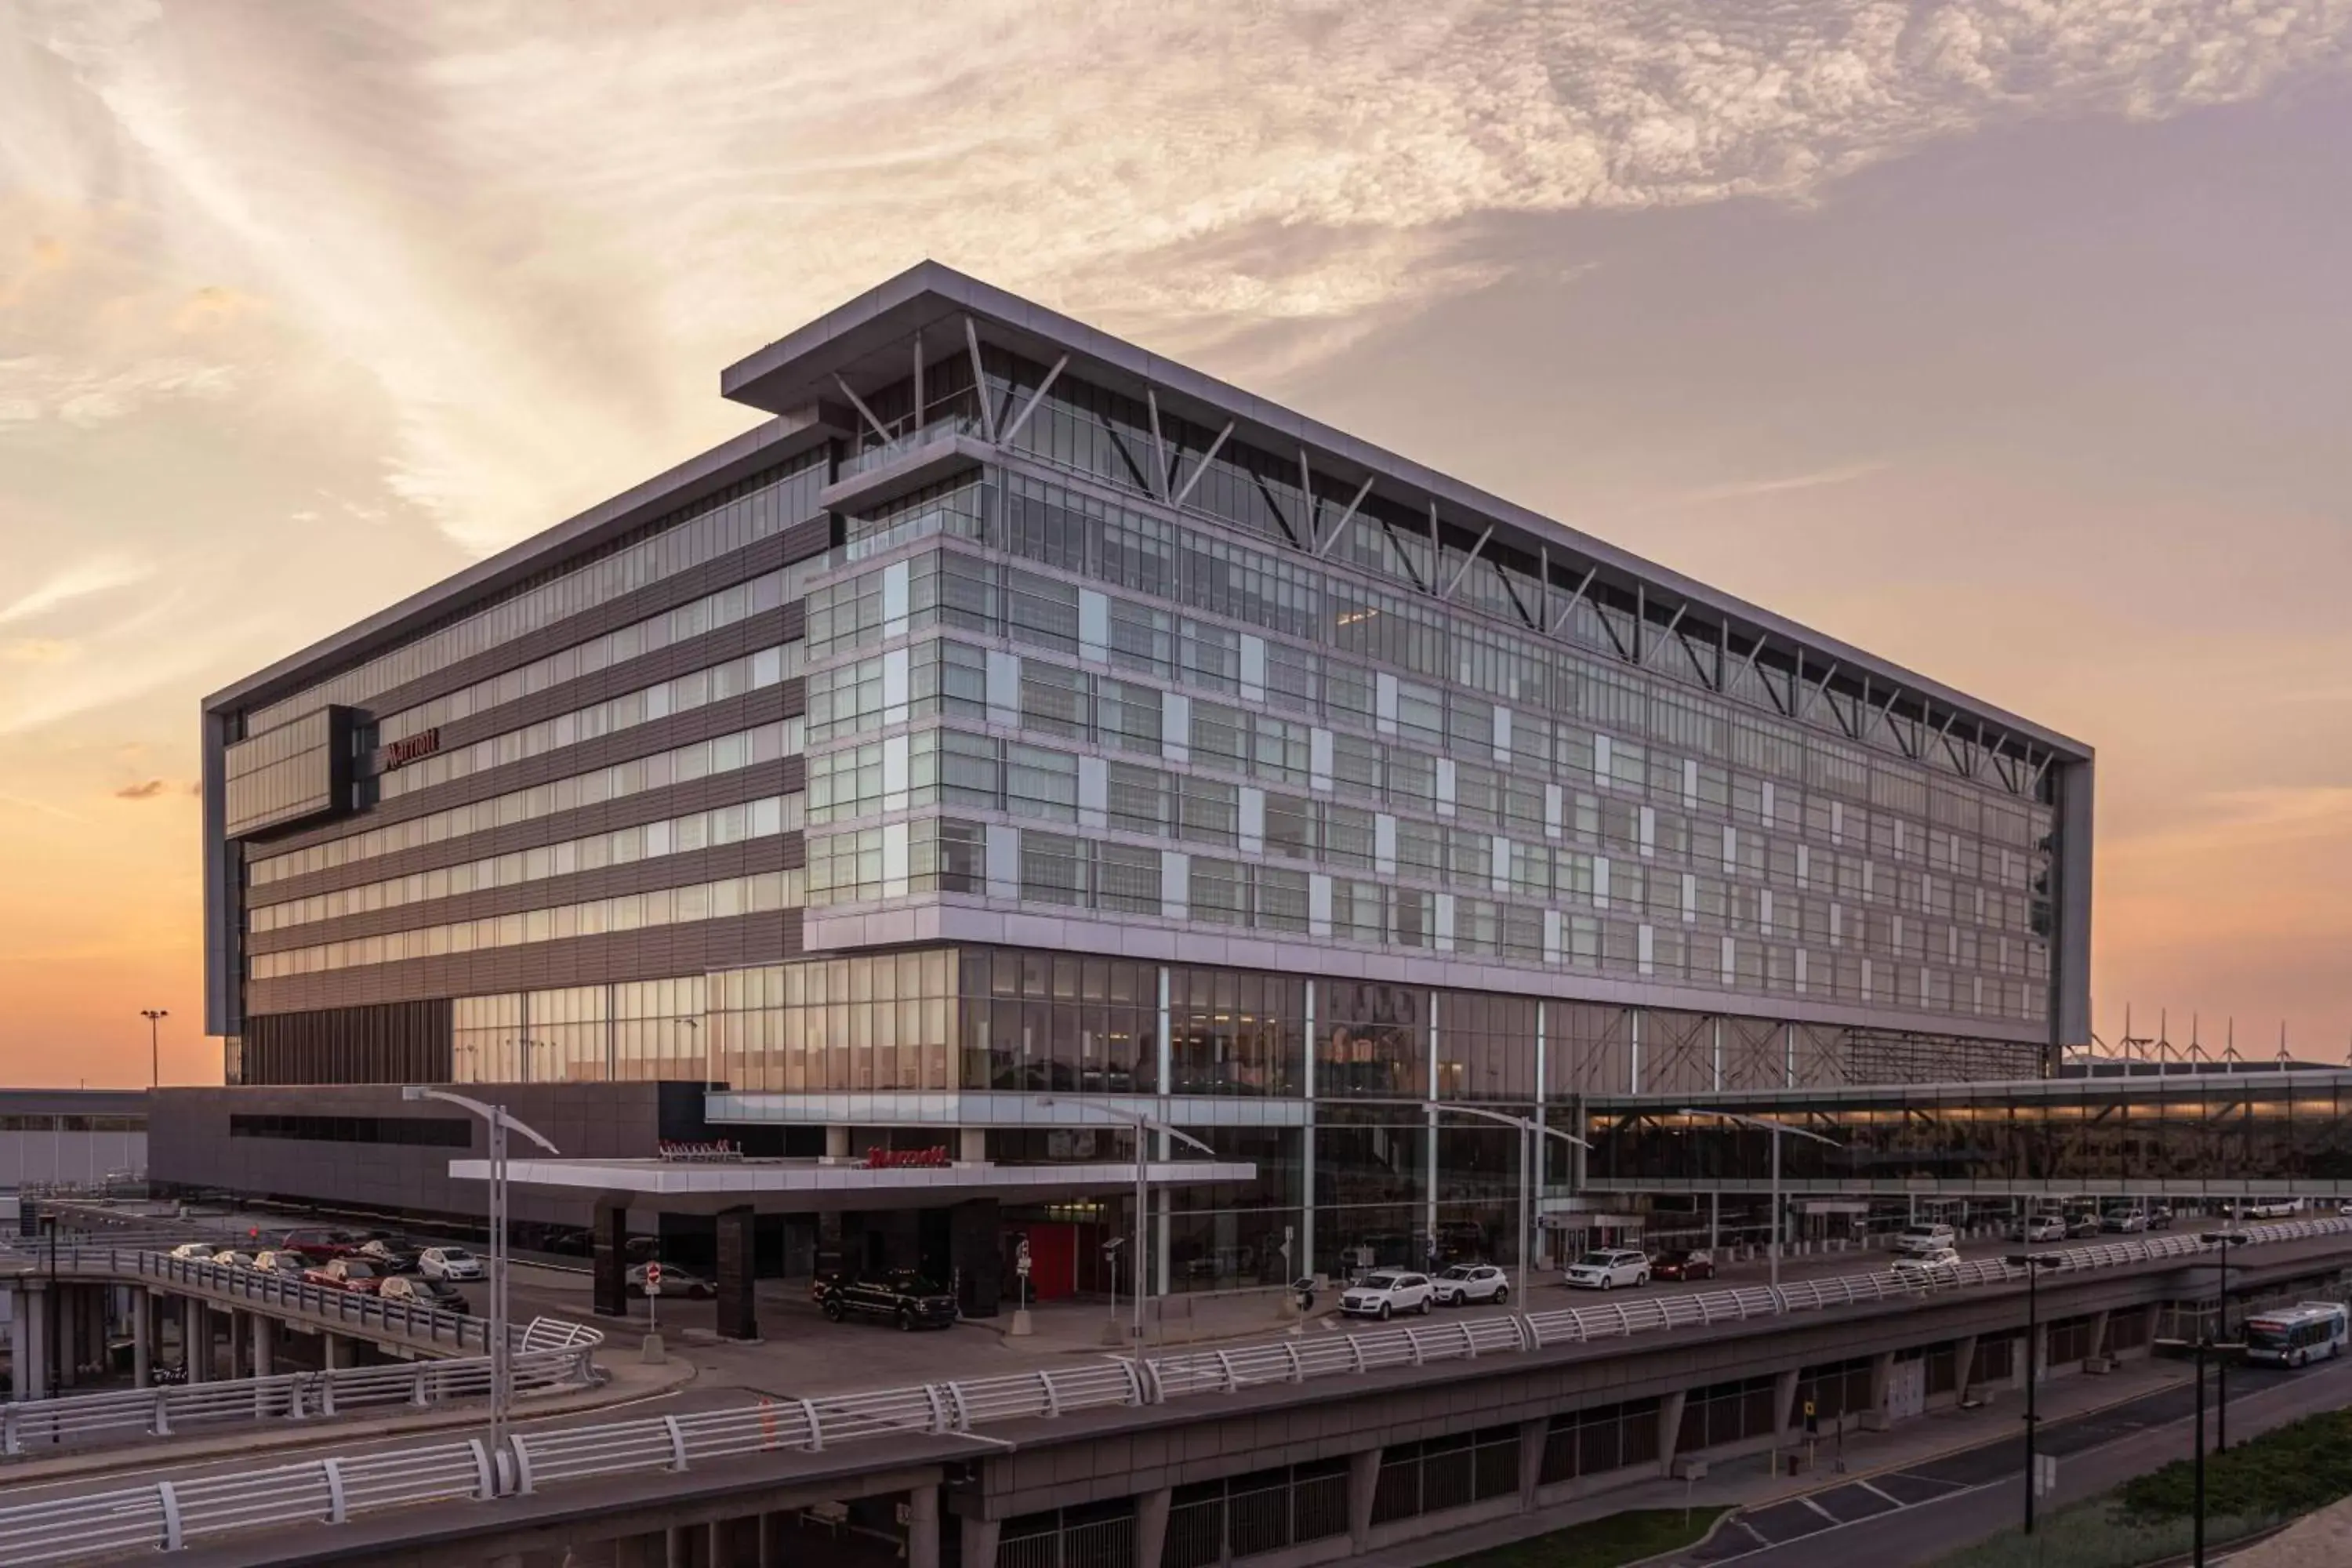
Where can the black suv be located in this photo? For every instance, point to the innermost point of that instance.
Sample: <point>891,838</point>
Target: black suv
<point>905,1298</point>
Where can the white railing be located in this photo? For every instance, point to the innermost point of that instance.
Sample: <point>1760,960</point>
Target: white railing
<point>549,1356</point>
<point>171,1514</point>
<point>420,1327</point>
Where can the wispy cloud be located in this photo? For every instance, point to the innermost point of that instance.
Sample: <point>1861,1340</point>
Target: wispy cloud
<point>1745,489</point>
<point>146,791</point>
<point>83,579</point>
<point>391,182</point>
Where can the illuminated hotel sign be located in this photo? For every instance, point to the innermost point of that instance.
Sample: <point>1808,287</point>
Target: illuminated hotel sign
<point>402,752</point>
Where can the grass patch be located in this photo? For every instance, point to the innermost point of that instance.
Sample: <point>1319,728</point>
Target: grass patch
<point>1605,1542</point>
<point>2286,1472</point>
<point>2098,1534</point>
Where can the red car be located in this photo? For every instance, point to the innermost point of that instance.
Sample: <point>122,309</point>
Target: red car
<point>346,1274</point>
<point>1683,1265</point>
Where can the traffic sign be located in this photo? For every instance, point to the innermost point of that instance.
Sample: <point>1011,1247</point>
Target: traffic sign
<point>653,1279</point>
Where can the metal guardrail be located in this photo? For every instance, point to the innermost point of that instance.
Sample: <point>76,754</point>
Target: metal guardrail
<point>429,1328</point>
<point>28,1425</point>
<point>170,1515</point>
<point>549,1354</point>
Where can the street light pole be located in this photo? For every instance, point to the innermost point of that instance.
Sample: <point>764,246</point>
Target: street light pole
<point>2196,1553</point>
<point>1142,1124</point>
<point>502,1353</point>
<point>1531,1134</point>
<point>2034,1263</point>
<point>2221,1361</point>
<point>155,1015</point>
<point>1776,1129</point>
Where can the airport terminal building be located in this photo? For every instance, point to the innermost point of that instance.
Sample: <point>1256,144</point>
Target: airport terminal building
<point>1017,730</point>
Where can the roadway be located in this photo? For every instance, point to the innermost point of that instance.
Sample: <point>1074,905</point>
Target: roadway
<point>1918,1513</point>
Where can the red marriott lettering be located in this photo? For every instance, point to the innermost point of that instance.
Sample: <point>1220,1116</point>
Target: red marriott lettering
<point>400,754</point>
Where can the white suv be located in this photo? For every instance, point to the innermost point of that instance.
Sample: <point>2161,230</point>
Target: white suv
<point>1387,1293</point>
<point>448,1263</point>
<point>1608,1269</point>
<point>1467,1282</point>
<point>1919,1240</point>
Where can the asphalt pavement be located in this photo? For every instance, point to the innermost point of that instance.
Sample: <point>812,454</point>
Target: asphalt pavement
<point>1925,1510</point>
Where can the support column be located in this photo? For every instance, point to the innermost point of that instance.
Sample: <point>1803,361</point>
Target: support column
<point>678,1547</point>
<point>334,1352</point>
<point>1670,1429</point>
<point>739,1313</point>
<point>32,1334</point>
<point>142,1337</point>
<point>972,1145</point>
<point>975,1255</point>
<point>923,1528</point>
<point>2098,1335</point>
<point>980,1542</point>
<point>771,1546</point>
<point>610,1248</point>
<point>240,1344</point>
<point>1882,1383</point>
<point>262,1353</point>
<point>20,1348</point>
<point>1151,1526</point>
<point>1963,1366</point>
<point>195,1339</point>
<point>836,1140</point>
<point>1363,1485</point>
<point>1784,1397</point>
<point>1533,1435</point>
<point>62,1335</point>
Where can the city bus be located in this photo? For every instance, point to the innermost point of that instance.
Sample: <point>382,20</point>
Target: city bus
<point>2291,1336</point>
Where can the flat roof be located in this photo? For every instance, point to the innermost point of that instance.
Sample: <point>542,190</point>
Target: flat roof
<point>798,1186</point>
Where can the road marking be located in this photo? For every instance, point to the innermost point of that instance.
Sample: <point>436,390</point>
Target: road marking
<point>1897,1501</point>
<point>1817,1509</point>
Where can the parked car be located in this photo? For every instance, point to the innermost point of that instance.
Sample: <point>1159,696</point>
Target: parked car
<point>1386,1292</point>
<point>281,1260</point>
<point>230,1258</point>
<point>1683,1264</point>
<point>424,1292</point>
<point>391,1257</point>
<point>195,1251</point>
<point>1607,1269</point>
<point>2040,1227</point>
<point>676,1282</point>
<point>2079,1225</point>
<point>902,1297</point>
<point>2123,1219</point>
<point>1918,1240</point>
<point>448,1263</point>
<point>2159,1217</point>
<point>345,1274</point>
<point>321,1243</point>
<point>1467,1282</point>
<point>1940,1264</point>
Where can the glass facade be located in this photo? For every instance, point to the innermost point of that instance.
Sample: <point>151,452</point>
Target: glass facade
<point>2058,1136</point>
<point>1525,805</point>
<point>1406,814</point>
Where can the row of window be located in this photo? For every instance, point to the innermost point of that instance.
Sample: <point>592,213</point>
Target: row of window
<point>628,911</point>
<point>737,602</point>
<point>948,855</point>
<point>964,771</point>
<point>680,694</point>
<point>716,525</point>
<point>1162,557</point>
<point>682,764</point>
<point>648,841</point>
<point>935,678</point>
<point>635,1029</point>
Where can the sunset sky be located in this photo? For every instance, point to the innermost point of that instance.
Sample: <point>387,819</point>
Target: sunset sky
<point>2011,339</point>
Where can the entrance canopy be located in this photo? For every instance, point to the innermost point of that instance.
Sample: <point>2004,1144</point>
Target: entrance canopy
<point>805,1186</point>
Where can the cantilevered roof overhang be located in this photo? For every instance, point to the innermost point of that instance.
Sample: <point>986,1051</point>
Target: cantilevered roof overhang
<point>864,344</point>
<point>806,1186</point>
